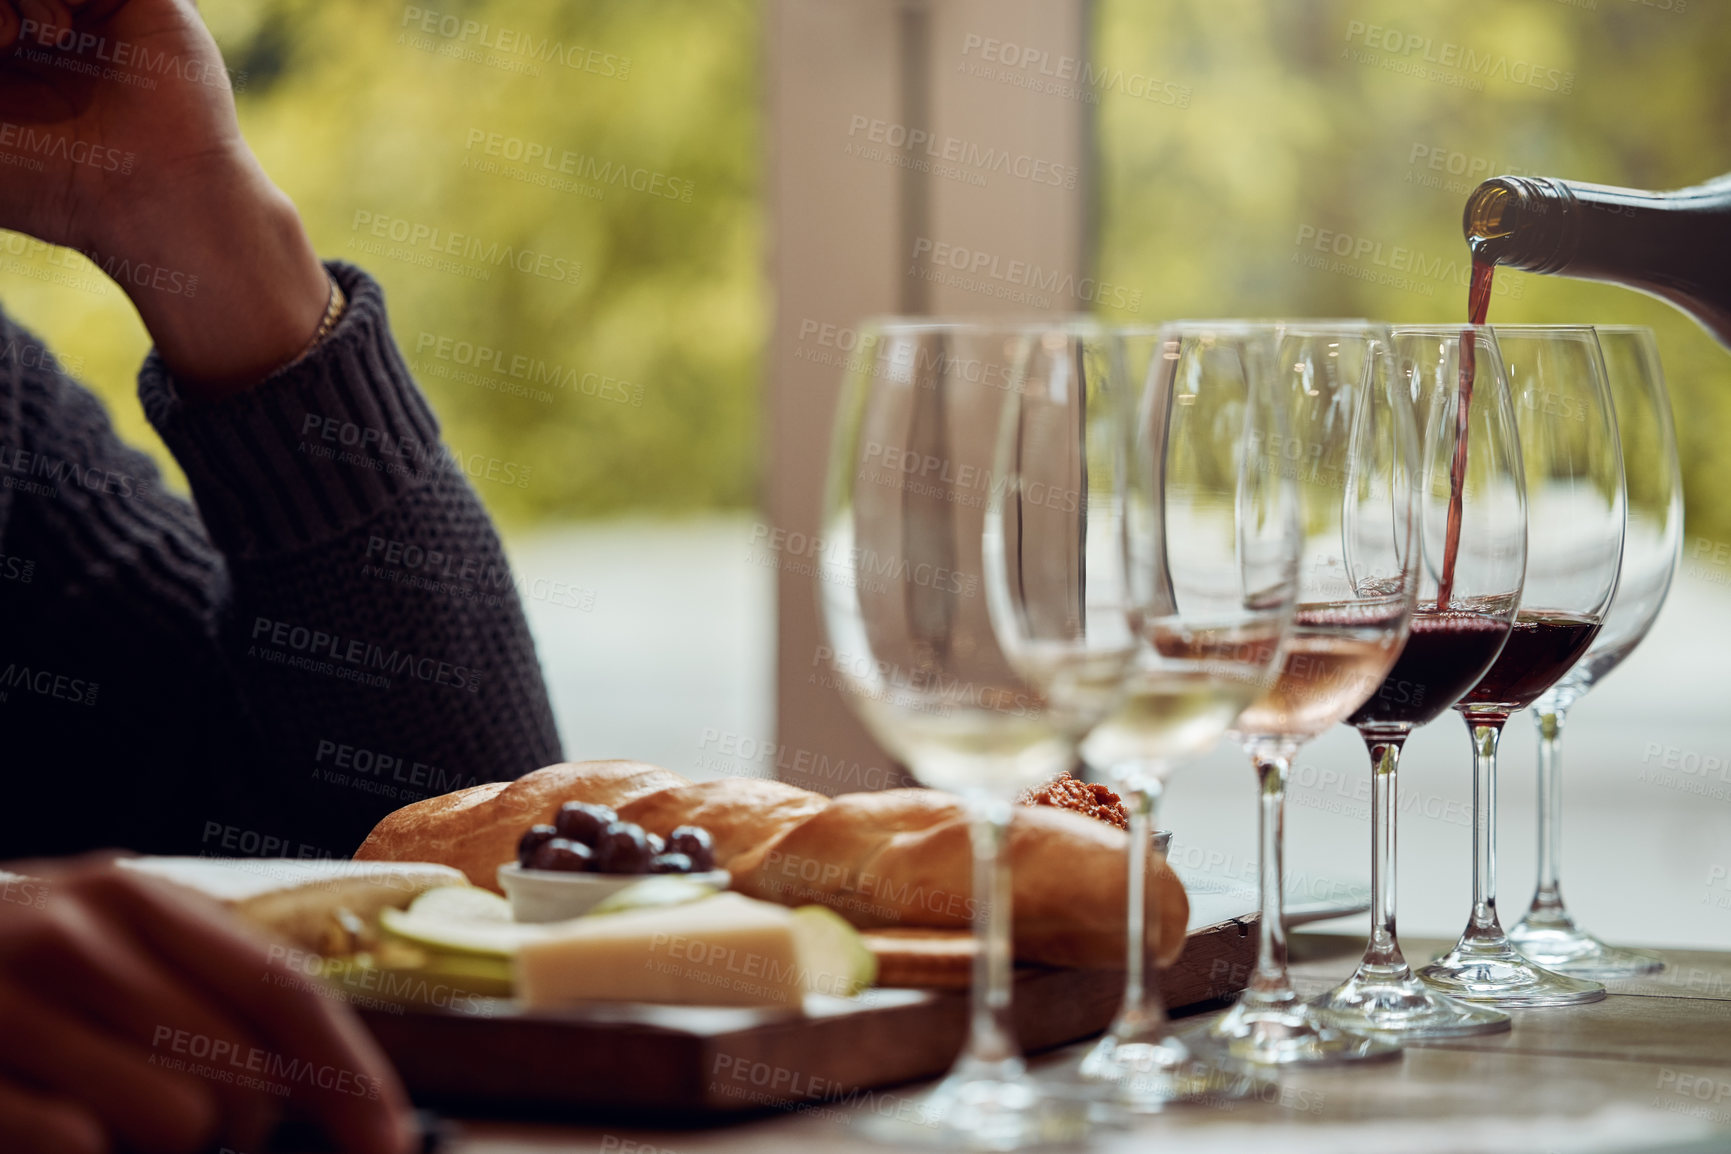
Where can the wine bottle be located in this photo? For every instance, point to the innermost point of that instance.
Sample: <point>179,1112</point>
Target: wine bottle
<point>1675,245</point>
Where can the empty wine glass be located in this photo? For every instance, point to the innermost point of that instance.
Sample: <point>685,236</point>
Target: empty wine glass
<point>1456,635</point>
<point>1574,489</point>
<point>1351,448</point>
<point>1652,546</point>
<point>913,644</point>
<point>1207,536</point>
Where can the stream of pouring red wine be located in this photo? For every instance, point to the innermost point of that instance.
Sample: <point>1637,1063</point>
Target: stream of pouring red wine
<point>1478,304</point>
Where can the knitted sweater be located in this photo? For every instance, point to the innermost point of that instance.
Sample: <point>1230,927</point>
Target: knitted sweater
<point>272,673</point>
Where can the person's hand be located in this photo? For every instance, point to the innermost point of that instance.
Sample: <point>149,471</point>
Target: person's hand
<point>155,121</point>
<point>118,137</point>
<point>138,1016</point>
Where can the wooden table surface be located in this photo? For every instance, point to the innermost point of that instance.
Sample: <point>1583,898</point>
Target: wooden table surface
<point>1649,1068</point>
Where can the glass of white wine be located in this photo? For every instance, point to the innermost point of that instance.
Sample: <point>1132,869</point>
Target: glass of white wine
<point>914,532</point>
<point>1206,537</point>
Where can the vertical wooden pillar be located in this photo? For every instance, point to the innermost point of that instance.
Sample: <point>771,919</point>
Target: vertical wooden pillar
<point>925,156</point>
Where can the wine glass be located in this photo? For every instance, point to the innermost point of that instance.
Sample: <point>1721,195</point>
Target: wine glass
<point>1352,450</point>
<point>1209,527</point>
<point>913,645</point>
<point>1574,484</point>
<point>1652,545</point>
<point>1456,635</point>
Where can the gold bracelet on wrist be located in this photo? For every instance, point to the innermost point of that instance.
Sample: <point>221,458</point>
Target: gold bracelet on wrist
<point>333,314</point>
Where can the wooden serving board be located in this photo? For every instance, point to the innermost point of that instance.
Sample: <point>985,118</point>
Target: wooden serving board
<point>699,1062</point>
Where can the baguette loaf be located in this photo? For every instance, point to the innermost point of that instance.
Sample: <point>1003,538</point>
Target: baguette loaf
<point>899,857</point>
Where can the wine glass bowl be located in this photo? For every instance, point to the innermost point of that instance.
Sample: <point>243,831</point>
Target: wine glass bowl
<point>1652,546</point>
<point>1573,479</point>
<point>1053,558</point>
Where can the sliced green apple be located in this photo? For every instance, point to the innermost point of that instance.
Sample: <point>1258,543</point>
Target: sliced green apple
<point>462,903</point>
<point>455,936</point>
<point>430,982</point>
<point>833,957</point>
<point>655,892</point>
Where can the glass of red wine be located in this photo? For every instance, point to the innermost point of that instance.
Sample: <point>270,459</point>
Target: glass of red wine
<point>1652,544</point>
<point>1351,447</point>
<point>1575,515</point>
<point>1475,552</point>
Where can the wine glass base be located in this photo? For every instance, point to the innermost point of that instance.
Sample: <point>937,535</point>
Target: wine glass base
<point>1568,950</point>
<point>1492,971</point>
<point>1402,1007</point>
<point>1145,1077</point>
<point>1290,1035</point>
<point>968,1112</point>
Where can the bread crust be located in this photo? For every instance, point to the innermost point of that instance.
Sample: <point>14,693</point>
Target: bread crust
<point>899,857</point>
<point>477,829</point>
<point>744,815</point>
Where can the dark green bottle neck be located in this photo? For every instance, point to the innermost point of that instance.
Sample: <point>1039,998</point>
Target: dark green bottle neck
<point>1545,225</point>
<point>1528,223</point>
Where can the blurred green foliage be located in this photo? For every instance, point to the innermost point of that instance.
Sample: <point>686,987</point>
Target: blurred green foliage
<point>1301,125</point>
<point>647,366</point>
<point>1326,117</point>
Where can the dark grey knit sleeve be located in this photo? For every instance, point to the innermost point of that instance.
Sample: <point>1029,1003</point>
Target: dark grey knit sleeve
<point>374,631</point>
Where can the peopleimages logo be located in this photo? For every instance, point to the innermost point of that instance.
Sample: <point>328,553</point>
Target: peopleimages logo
<point>418,238</point>
<point>353,759</point>
<point>1459,58</point>
<point>838,557</point>
<point>285,636</point>
<point>366,447</point>
<point>584,166</point>
<point>225,1060</point>
<point>1015,279</point>
<point>1388,264</point>
<point>1036,69</point>
<point>1454,162</point>
<point>921,689</point>
<point>27,139</point>
<point>964,152</point>
<point>515,42</point>
<point>88,54</point>
<point>47,683</point>
<point>486,360</point>
<point>58,470</point>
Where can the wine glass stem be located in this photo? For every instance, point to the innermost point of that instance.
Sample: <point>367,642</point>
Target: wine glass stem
<point>1548,898</point>
<point>1485,731</point>
<point>1384,948</point>
<point>1269,985</point>
<point>1142,1017</point>
<point>991,1050</point>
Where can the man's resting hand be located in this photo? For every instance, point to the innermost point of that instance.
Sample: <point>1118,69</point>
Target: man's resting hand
<point>142,1017</point>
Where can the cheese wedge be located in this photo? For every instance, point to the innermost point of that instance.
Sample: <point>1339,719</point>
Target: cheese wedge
<point>728,950</point>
